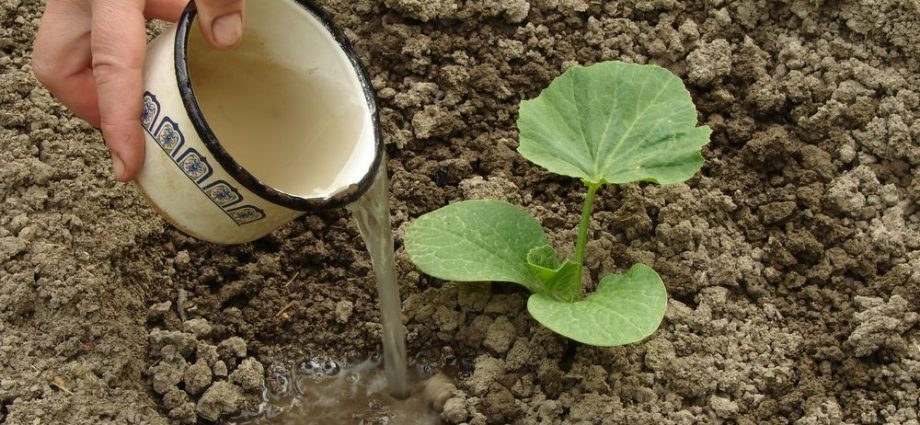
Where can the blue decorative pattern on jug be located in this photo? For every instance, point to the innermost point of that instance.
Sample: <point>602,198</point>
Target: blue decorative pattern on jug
<point>246,214</point>
<point>194,165</point>
<point>150,112</point>
<point>169,137</point>
<point>223,194</point>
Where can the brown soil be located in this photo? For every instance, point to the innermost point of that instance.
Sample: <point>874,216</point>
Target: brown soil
<point>793,260</point>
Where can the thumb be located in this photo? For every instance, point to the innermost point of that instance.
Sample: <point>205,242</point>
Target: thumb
<point>118,45</point>
<point>221,21</point>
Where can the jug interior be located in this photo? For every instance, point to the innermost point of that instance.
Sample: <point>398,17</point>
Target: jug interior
<point>286,103</point>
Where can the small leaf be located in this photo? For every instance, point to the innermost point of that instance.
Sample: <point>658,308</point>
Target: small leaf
<point>543,262</point>
<point>625,308</point>
<point>473,241</point>
<point>558,278</point>
<point>614,122</point>
<point>563,286</point>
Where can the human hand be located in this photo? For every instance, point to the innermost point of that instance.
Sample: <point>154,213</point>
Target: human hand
<point>90,55</point>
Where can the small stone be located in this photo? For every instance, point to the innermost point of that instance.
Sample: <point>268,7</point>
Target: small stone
<point>185,343</point>
<point>499,406</point>
<point>496,187</point>
<point>435,121</point>
<point>208,353</point>
<point>220,369</point>
<point>184,414</point>
<point>520,354</point>
<point>222,398</point>
<point>455,410</point>
<point>231,349</point>
<point>10,247</point>
<point>551,378</point>
<point>882,324</point>
<point>723,407</point>
<point>486,371</point>
<point>504,304</point>
<point>478,419</point>
<point>249,375</point>
<point>174,398</point>
<point>447,320</point>
<point>199,327</point>
<point>166,375</point>
<point>182,260</point>
<point>343,311</point>
<point>709,62</point>
<point>159,310</point>
<point>170,354</point>
<point>501,335</point>
<point>197,377</point>
<point>846,153</point>
<point>595,380</point>
<point>777,211</point>
<point>523,387</point>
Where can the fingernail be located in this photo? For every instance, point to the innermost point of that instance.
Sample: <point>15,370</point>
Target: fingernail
<point>118,167</point>
<point>227,29</point>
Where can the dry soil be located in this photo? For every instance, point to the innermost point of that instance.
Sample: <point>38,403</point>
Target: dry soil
<point>793,259</point>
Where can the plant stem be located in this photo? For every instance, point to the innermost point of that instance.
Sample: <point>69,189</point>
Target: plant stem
<point>583,229</point>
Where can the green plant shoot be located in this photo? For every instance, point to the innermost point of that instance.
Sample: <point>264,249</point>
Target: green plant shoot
<point>609,123</point>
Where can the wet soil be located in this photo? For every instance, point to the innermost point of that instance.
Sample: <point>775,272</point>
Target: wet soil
<point>793,259</point>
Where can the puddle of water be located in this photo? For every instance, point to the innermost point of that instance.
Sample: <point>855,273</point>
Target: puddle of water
<point>327,392</point>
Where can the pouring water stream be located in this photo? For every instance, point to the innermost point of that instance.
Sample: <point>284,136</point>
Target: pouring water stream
<point>372,212</point>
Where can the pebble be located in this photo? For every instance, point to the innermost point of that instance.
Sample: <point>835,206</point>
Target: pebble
<point>500,335</point>
<point>197,377</point>
<point>231,349</point>
<point>208,353</point>
<point>485,372</point>
<point>249,375</point>
<point>184,414</point>
<point>174,398</point>
<point>223,397</point>
<point>185,343</point>
<point>455,410</point>
<point>167,375</point>
<point>343,311</point>
<point>159,310</point>
<point>220,369</point>
<point>199,327</point>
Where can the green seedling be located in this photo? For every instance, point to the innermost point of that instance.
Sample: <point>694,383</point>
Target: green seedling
<point>609,123</point>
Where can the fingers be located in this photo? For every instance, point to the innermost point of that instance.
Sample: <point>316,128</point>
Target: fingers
<point>166,10</point>
<point>221,21</point>
<point>62,60</point>
<point>118,48</point>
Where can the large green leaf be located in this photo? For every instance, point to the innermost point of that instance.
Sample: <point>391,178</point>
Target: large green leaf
<point>614,122</point>
<point>473,241</point>
<point>624,309</point>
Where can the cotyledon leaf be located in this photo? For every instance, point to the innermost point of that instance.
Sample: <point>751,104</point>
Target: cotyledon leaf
<point>614,122</point>
<point>624,309</point>
<point>479,240</point>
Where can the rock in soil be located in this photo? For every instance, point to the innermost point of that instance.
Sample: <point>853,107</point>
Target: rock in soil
<point>221,398</point>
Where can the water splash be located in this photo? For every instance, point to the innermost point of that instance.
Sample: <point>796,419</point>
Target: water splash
<point>325,391</point>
